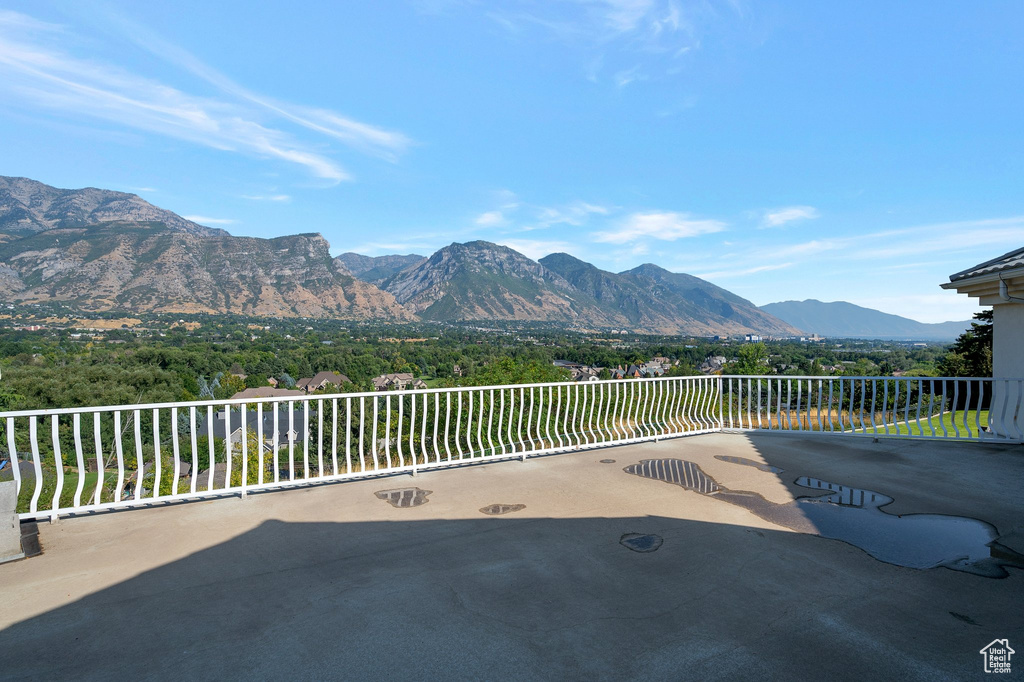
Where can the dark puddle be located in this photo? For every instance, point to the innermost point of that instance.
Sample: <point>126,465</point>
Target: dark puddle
<point>499,509</point>
<point>404,497</point>
<point>749,463</point>
<point>607,461</point>
<point>641,542</point>
<point>853,515</point>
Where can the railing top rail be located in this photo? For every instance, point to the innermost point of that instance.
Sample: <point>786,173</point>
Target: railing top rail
<point>877,378</point>
<point>323,396</point>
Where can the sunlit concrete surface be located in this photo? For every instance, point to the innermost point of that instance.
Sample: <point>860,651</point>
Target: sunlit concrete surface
<point>333,582</point>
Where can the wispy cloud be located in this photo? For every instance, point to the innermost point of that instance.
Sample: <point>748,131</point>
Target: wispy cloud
<point>726,274</point>
<point>665,226</point>
<point>778,217</point>
<point>206,220</point>
<point>283,198</point>
<point>515,215</point>
<point>490,219</point>
<point>627,76</point>
<point>617,33</point>
<point>965,242</point>
<point>36,70</point>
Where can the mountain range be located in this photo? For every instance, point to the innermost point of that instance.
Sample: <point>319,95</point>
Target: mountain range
<point>99,250</point>
<point>846,320</point>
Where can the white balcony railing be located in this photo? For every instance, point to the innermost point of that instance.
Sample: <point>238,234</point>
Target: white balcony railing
<point>82,459</point>
<point>917,407</point>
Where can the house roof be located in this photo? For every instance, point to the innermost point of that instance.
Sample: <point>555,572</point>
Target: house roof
<point>983,281</point>
<point>1008,261</point>
<point>320,378</point>
<point>265,392</point>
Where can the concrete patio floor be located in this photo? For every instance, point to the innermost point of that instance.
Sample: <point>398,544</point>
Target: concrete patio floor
<point>332,582</point>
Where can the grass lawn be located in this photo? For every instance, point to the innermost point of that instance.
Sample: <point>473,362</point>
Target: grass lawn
<point>934,425</point>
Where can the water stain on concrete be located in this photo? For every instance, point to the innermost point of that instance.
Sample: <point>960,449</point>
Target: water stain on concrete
<point>854,515</point>
<point>404,497</point>
<point>607,461</point>
<point>499,509</point>
<point>641,542</point>
<point>749,463</point>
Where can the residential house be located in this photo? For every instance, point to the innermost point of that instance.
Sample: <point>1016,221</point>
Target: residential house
<point>321,381</point>
<point>713,364</point>
<point>290,426</point>
<point>397,382</point>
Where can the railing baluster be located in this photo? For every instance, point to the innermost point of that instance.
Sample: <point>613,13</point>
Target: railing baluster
<point>243,420</point>
<point>36,463</point>
<point>491,419</point>
<point>508,427</point>
<point>79,457</point>
<point>953,411</point>
<point>423,430</point>
<point>967,410</point>
<point>98,442</point>
<point>519,425</point>
<point>387,431</point>
<point>260,443</point>
<point>227,449</point>
<point>305,439</point>
<point>547,422</point>
<point>156,453</point>
<point>348,435</point>
<point>529,428</point>
<point>194,471</point>
<point>291,440</point>
<point>480,424</point>
<point>437,418</point>
<point>362,431</point>
<point>334,436</point>
<point>59,462</point>
<point>319,436</point>
<point>136,414</point>
<point>398,439</point>
<point>447,421</point>
<point>885,406</point>
<point>12,450</point>
<point>176,451</point>
<point>458,426</point>
<point>277,440</point>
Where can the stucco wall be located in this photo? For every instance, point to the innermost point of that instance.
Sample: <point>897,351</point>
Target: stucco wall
<point>1007,363</point>
<point>1008,341</point>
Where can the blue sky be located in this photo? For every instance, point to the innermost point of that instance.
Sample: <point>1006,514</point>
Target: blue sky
<point>783,150</point>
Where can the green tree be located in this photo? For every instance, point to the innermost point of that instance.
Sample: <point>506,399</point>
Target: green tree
<point>752,358</point>
<point>971,353</point>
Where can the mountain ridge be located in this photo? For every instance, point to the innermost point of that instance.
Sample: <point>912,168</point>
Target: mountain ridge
<point>848,320</point>
<point>28,206</point>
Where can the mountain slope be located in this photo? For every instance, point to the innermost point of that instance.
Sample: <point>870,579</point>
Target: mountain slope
<point>28,206</point>
<point>650,298</point>
<point>376,269</point>
<point>484,281</point>
<point>149,266</point>
<point>841,319</point>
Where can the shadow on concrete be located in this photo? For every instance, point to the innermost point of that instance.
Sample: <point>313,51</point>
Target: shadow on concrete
<point>520,598</point>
